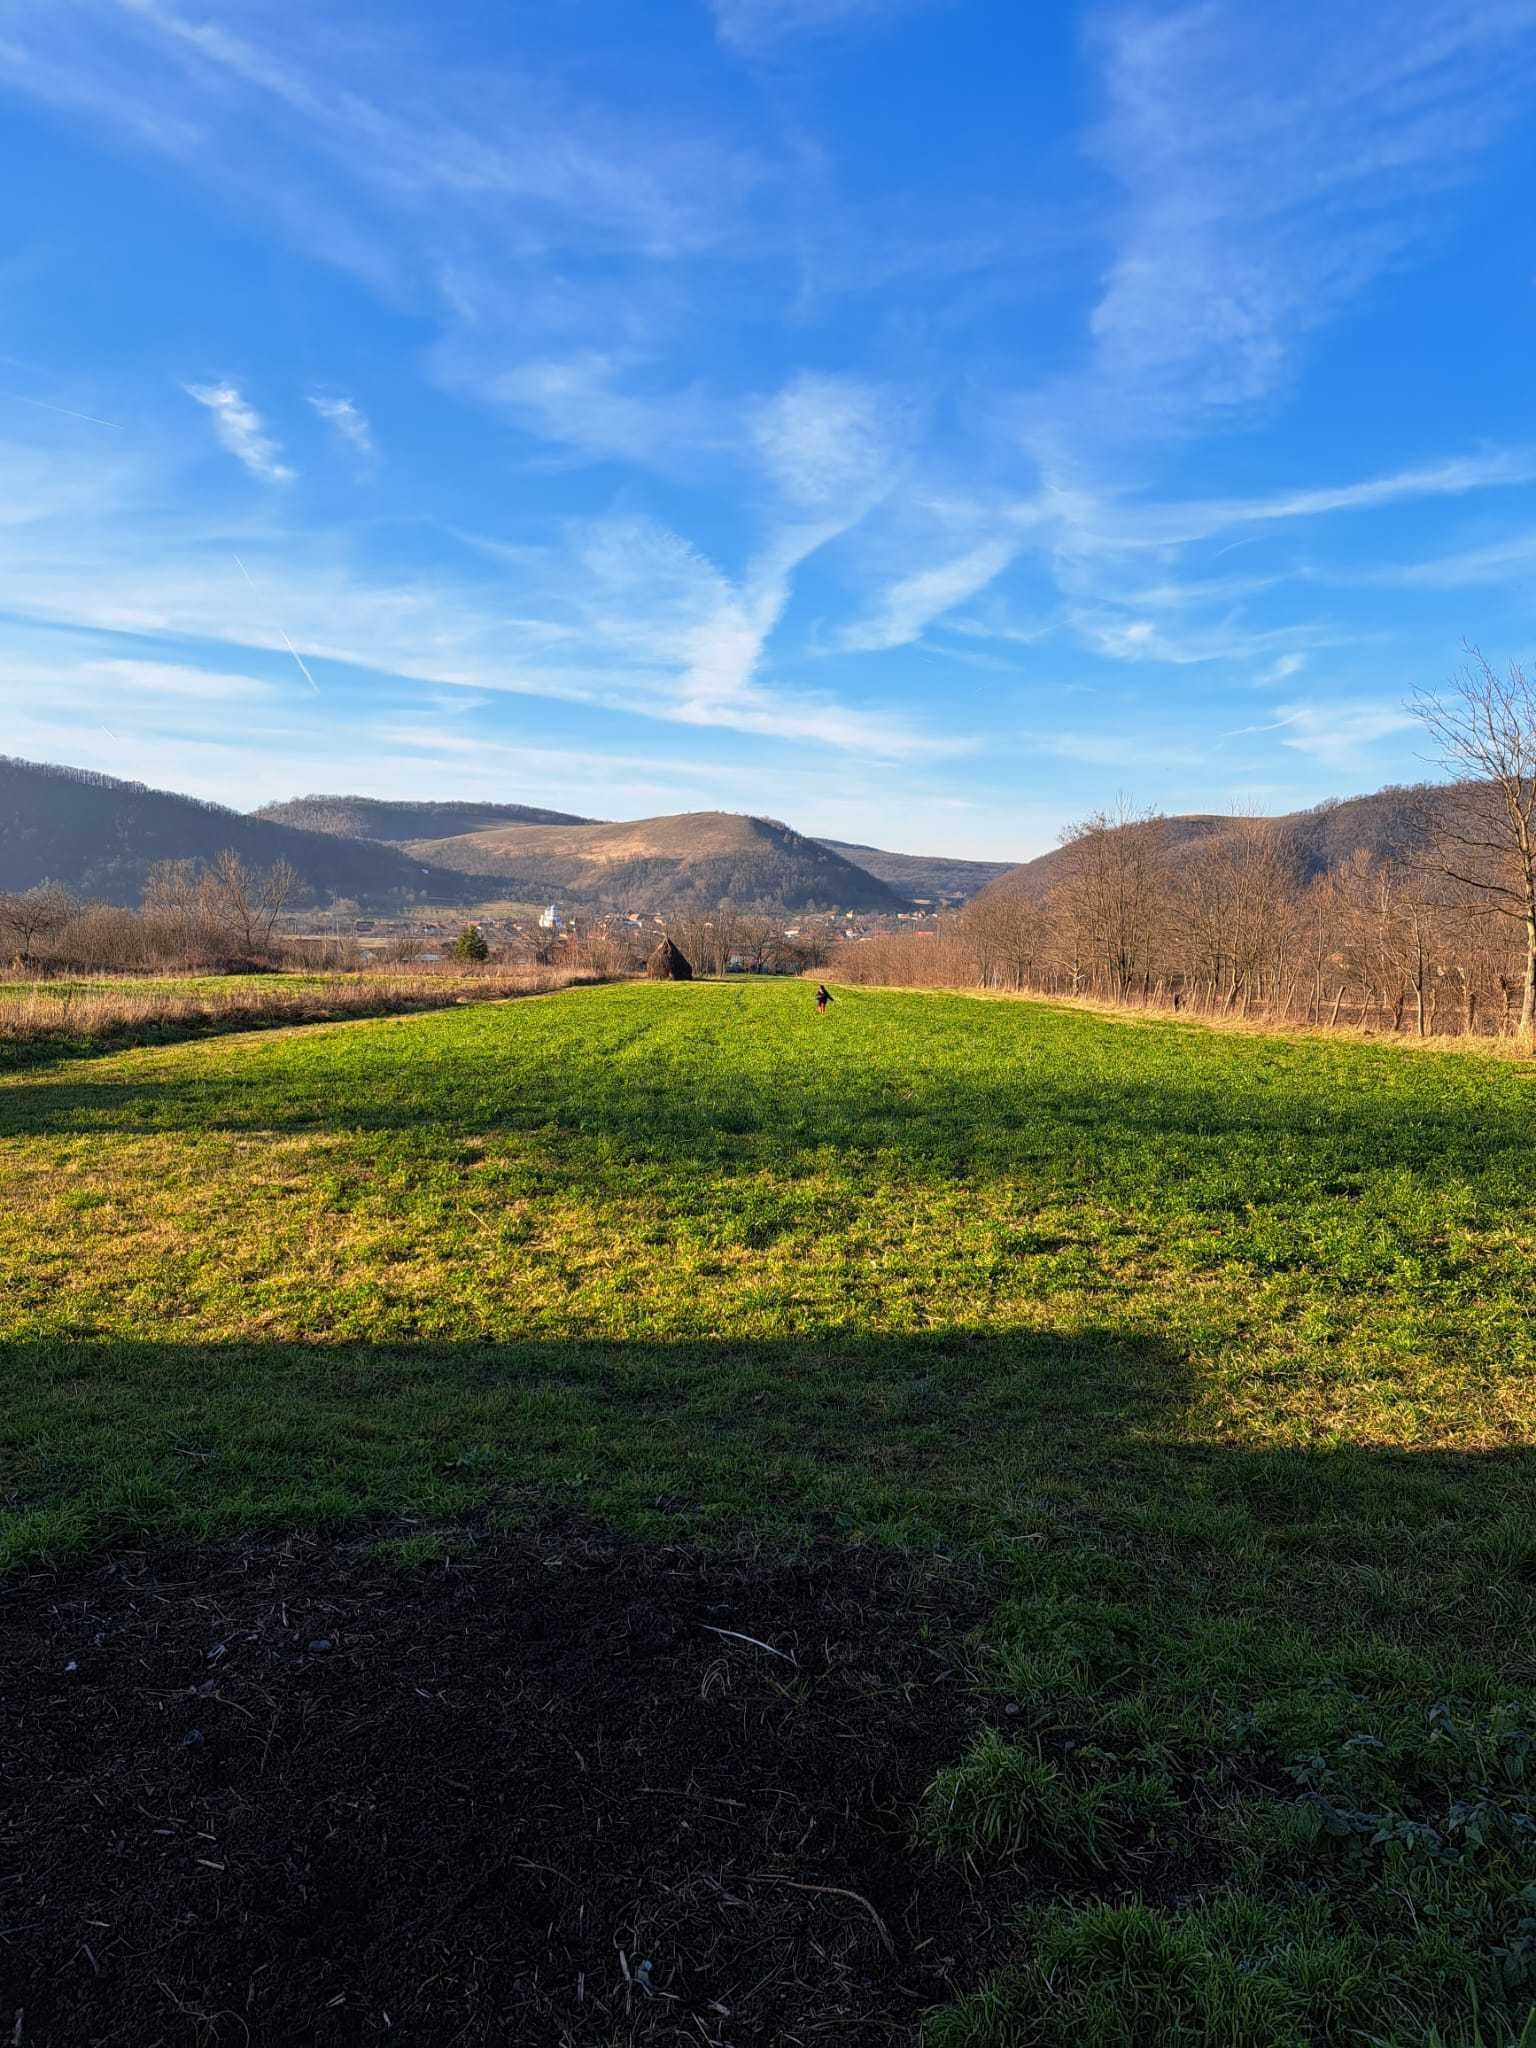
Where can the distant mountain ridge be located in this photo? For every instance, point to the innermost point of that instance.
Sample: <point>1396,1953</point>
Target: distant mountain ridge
<point>930,878</point>
<point>367,817</point>
<point>101,836</point>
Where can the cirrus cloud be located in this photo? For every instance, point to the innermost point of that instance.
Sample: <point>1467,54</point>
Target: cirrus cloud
<point>242,431</point>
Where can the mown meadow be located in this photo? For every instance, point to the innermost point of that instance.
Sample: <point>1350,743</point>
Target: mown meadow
<point>1216,1350</point>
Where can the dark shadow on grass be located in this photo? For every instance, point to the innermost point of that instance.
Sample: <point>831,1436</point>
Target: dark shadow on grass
<point>918,1406</point>
<point>400,1707</point>
<point>951,1438</point>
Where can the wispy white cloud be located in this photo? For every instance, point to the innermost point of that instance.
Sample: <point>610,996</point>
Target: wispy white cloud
<point>618,612</point>
<point>1270,173</point>
<point>1190,593</point>
<point>348,422</point>
<point>1084,526</point>
<point>1094,547</point>
<point>1126,750</point>
<point>908,605</point>
<point>830,444</point>
<point>1123,637</point>
<point>1340,735</point>
<point>96,683</point>
<point>602,404</point>
<point>683,628</point>
<point>976,657</point>
<point>243,432</point>
<point>825,451</point>
<point>995,620</point>
<point>171,679</point>
<point>1451,478</point>
<point>1512,560</point>
<point>369,152</point>
<point>42,486</point>
<point>1281,670</point>
<point>756,28</point>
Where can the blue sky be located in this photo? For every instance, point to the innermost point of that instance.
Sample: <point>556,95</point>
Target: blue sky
<point>922,420</point>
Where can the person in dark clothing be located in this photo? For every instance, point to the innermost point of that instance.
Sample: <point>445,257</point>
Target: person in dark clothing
<point>823,997</point>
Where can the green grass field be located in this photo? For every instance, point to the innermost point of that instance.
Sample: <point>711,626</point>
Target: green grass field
<point>21,990</point>
<point>42,1022</point>
<point>1218,1347</point>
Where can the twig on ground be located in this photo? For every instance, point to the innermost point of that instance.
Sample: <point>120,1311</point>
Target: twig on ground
<point>736,1636</point>
<point>833,1890</point>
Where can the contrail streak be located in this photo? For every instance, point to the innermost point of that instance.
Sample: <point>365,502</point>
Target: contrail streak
<point>303,671</point>
<point>68,412</point>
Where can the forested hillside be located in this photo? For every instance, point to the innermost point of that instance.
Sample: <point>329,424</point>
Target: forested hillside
<point>100,837</point>
<point>931,878</point>
<point>1386,826</point>
<point>366,817</point>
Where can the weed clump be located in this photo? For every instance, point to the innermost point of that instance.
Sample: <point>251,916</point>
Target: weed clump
<point>1216,1884</point>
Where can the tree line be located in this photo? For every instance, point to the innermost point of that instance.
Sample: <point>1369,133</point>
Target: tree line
<point>736,939</point>
<point>214,914</point>
<point>91,778</point>
<point>1440,938</point>
<point>224,913</point>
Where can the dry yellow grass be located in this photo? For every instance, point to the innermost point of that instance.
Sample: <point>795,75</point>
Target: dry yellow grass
<point>114,1011</point>
<point>1257,1025</point>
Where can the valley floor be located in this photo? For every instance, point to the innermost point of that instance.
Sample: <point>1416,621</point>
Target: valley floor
<point>1197,1367</point>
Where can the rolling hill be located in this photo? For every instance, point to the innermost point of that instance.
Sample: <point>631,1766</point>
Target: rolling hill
<point>366,817</point>
<point>930,878</point>
<point>100,837</point>
<point>698,861</point>
<point>1388,825</point>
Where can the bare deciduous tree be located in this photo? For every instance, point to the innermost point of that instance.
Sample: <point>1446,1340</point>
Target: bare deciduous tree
<point>1239,894</point>
<point>1114,865</point>
<point>708,942</point>
<point>250,900</point>
<point>33,915</point>
<point>223,903</point>
<point>1226,923</point>
<point>1483,837</point>
<point>1010,936</point>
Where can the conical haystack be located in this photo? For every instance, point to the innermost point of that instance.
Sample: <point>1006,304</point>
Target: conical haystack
<point>669,963</point>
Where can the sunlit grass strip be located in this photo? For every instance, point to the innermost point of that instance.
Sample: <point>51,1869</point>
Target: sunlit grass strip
<point>133,1010</point>
<point>1255,1023</point>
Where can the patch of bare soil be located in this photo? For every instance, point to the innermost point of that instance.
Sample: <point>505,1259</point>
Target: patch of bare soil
<point>572,1789</point>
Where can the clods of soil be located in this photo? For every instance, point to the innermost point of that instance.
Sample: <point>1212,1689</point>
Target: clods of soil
<point>570,1788</point>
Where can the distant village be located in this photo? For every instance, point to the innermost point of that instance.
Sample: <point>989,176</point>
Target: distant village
<point>726,941</point>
